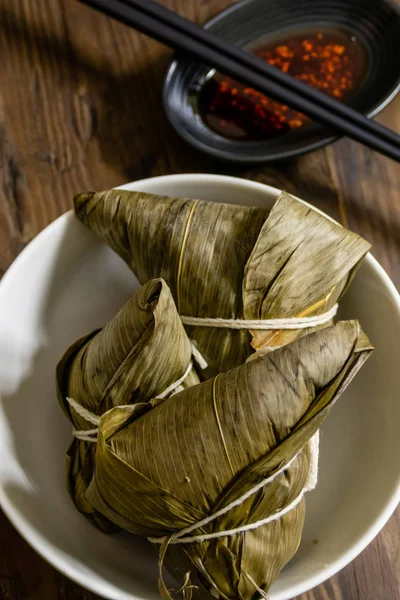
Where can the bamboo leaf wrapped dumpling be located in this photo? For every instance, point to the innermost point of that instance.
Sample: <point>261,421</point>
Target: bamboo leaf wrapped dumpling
<point>200,451</point>
<point>135,357</point>
<point>230,262</point>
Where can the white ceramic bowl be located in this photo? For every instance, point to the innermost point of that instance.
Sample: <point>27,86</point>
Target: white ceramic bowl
<point>65,283</point>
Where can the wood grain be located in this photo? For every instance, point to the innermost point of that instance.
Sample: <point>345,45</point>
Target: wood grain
<point>80,109</point>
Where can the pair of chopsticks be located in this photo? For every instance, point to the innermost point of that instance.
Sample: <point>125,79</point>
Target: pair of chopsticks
<point>179,33</point>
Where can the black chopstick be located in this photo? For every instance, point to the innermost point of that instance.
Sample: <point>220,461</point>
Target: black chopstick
<point>149,18</point>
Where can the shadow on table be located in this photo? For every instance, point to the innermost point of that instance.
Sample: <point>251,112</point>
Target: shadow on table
<point>122,110</point>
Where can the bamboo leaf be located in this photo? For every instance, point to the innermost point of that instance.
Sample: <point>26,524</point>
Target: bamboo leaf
<point>133,358</point>
<point>206,446</point>
<point>228,261</point>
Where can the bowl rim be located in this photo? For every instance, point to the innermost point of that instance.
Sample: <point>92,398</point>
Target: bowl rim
<point>236,157</point>
<point>50,553</point>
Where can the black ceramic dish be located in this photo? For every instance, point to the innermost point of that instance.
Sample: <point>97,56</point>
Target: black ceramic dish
<point>376,23</point>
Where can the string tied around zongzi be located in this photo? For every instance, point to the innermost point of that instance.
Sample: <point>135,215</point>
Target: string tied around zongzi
<point>85,435</point>
<point>181,537</point>
<point>90,435</point>
<point>263,324</point>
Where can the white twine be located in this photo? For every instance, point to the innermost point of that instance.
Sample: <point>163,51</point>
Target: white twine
<point>83,412</point>
<point>87,435</point>
<point>199,358</point>
<point>266,324</point>
<point>176,384</point>
<point>90,435</point>
<point>180,537</point>
<point>312,478</point>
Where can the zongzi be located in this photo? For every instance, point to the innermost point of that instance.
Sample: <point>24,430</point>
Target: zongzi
<point>232,262</point>
<point>138,355</point>
<point>217,473</point>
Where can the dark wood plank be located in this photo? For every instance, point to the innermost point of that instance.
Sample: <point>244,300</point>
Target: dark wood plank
<point>80,109</point>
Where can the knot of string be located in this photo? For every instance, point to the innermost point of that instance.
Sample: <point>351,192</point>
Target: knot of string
<point>263,324</point>
<point>90,435</point>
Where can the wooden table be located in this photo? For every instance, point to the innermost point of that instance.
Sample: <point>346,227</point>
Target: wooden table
<point>80,109</point>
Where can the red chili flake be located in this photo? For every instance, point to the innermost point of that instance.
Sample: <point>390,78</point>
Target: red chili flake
<point>328,61</point>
